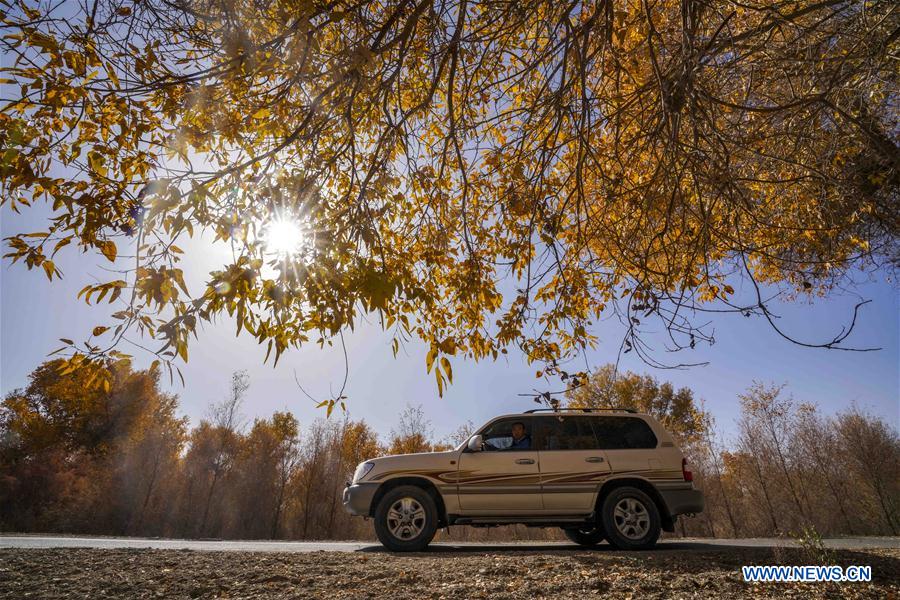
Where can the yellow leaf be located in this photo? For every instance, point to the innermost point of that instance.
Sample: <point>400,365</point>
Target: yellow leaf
<point>49,268</point>
<point>99,330</point>
<point>262,113</point>
<point>440,382</point>
<point>111,72</point>
<point>445,364</point>
<point>95,160</point>
<point>108,248</point>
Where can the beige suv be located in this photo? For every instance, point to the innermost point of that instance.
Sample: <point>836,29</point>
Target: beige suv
<point>611,474</point>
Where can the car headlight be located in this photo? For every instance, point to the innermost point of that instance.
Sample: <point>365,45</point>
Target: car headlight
<point>362,470</point>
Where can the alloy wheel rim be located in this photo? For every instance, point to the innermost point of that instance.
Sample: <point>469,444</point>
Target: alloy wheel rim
<point>406,518</point>
<point>631,518</point>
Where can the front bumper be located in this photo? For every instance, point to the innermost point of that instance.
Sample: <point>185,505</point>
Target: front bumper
<point>357,498</point>
<point>682,501</point>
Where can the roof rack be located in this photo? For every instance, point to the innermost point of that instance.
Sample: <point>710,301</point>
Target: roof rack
<point>534,410</point>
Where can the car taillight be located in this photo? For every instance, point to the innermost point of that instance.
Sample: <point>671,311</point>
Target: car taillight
<point>688,476</point>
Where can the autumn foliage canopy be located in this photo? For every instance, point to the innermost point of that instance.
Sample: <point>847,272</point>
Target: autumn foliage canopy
<point>478,173</point>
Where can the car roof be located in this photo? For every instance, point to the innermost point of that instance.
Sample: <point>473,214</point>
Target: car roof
<point>580,410</point>
<point>539,412</point>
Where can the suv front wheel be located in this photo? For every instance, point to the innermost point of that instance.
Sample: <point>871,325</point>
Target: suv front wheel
<point>630,519</point>
<point>406,519</point>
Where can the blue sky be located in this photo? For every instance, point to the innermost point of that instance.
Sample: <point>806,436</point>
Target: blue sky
<point>35,313</point>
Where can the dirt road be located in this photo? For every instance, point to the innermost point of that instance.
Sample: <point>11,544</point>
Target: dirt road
<point>496,572</point>
<point>691,544</point>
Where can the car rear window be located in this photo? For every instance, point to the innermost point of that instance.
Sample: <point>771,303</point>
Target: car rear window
<point>584,432</point>
<point>622,433</point>
<point>564,432</point>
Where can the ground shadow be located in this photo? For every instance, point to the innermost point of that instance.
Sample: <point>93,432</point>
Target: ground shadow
<point>542,547</point>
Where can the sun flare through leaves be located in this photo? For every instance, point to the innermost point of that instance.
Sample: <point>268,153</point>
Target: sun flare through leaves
<point>284,237</point>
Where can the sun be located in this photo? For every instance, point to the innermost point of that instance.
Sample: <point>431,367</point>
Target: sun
<point>283,237</point>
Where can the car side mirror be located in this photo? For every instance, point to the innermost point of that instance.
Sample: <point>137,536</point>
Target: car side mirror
<point>475,443</point>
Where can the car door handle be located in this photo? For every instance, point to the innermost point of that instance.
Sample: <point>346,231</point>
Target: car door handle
<point>524,461</point>
<point>594,459</point>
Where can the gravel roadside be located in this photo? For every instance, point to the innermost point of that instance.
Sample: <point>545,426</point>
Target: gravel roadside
<point>92,573</point>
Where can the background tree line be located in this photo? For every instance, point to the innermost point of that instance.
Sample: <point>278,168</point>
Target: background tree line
<point>83,456</point>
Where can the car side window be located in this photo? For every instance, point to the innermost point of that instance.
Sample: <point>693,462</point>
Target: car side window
<point>623,433</point>
<point>498,435</point>
<point>565,432</point>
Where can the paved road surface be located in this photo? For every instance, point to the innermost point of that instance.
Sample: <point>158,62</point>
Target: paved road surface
<point>696,544</point>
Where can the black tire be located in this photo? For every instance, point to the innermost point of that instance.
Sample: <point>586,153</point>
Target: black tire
<point>429,522</point>
<point>640,529</point>
<point>588,537</point>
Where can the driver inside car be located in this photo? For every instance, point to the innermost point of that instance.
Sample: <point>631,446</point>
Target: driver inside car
<point>520,438</point>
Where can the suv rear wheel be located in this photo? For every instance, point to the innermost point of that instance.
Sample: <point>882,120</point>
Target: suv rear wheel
<point>585,536</point>
<point>630,519</point>
<point>406,519</point>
